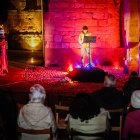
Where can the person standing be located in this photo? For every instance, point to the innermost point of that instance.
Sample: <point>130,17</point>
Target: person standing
<point>85,46</point>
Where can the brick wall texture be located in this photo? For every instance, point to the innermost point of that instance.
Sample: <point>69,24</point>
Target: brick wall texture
<point>64,20</point>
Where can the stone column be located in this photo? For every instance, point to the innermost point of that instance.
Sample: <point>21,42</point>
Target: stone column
<point>131,20</point>
<point>139,38</point>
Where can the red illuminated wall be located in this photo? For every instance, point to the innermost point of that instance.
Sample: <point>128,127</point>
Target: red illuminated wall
<point>63,23</point>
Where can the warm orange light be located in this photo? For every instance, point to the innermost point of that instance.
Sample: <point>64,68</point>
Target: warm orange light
<point>65,73</point>
<point>137,56</point>
<point>32,60</point>
<point>116,66</point>
<point>33,42</point>
<point>70,68</point>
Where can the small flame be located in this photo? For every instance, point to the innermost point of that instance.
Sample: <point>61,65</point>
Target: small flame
<point>70,68</point>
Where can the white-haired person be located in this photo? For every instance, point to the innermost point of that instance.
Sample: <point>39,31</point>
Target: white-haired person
<point>109,96</point>
<point>35,115</point>
<point>132,119</point>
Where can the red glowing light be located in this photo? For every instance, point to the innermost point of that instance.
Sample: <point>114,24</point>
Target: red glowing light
<point>70,68</point>
<point>116,66</point>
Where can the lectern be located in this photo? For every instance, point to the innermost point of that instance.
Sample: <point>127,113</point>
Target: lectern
<point>89,39</point>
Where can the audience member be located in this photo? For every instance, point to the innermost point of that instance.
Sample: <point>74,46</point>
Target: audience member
<point>86,116</point>
<point>132,120</point>
<point>131,85</point>
<point>109,96</point>
<point>8,116</point>
<point>35,115</point>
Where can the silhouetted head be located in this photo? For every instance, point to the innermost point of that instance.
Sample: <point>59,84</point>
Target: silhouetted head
<point>83,107</point>
<point>109,80</point>
<point>133,74</point>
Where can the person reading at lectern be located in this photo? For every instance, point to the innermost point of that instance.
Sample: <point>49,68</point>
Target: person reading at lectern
<point>85,46</point>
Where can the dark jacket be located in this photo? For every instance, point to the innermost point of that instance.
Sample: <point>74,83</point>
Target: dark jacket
<point>109,97</point>
<point>131,85</point>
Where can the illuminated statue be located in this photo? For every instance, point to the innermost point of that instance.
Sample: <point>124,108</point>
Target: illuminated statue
<point>85,46</point>
<point>3,55</point>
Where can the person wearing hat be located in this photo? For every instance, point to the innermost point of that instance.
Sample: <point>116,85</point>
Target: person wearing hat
<point>132,120</point>
<point>85,46</point>
<point>35,115</point>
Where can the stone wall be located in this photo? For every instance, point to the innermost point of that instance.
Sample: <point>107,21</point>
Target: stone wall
<point>63,23</point>
<point>131,27</point>
<point>25,25</point>
<point>65,19</point>
<point>139,20</point>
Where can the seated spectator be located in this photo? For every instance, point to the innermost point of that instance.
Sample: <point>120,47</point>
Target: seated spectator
<point>131,85</point>
<point>132,120</point>
<point>35,115</point>
<point>86,116</point>
<point>109,96</point>
<point>8,116</point>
